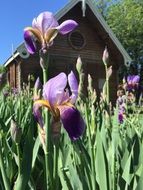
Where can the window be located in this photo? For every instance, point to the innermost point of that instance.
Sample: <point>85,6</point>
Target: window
<point>77,40</point>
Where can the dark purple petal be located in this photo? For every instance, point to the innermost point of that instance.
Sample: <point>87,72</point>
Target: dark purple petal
<point>30,44</point>
<point>38,115</point>
<point>73,86</point>
<point>54,89</point>
<point>67,26</point>
<point>120,117</point>
<point>72,122</point>
<point>44,21</point>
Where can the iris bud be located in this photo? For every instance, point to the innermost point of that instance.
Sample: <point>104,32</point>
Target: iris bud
<point>105,56</point>
<point>15,131</point>
<point>79,65</point>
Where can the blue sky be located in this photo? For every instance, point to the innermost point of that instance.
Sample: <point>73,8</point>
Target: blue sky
<point>15,16</point>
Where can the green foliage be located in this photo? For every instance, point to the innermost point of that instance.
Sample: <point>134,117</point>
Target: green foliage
<point>2,69</point>
<point>102,5</point>
<point>125,19</point>
<point>108,156</point>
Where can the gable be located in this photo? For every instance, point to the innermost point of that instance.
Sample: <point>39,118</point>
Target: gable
<point>74,10</point>
<point>92,13</point>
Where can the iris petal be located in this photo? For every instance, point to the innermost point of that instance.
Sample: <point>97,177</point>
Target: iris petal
<point>38,115</point>
<point>53,90</point>
<point>44,21</point>
<point>37,112</point>
<point>72,121</point>
<point>38,84</point>
<point>30,44</point>
<point>135,79</point>
<point>73,86</point>
<point>50,35</point>
<point>67,26</point>
<point>36,33</point>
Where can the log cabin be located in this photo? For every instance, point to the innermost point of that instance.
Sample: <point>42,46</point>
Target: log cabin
<point>88,40</point>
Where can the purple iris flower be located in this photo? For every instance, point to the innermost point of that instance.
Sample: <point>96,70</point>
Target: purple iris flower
<point>120,117</point>
<point>121,103</point>
<point>132,82</point>
<point>61,104</point>
<point>44,29</point>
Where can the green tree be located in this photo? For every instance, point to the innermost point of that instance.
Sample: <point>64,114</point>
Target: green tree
<point>102,5</point>
<point>126,20</point>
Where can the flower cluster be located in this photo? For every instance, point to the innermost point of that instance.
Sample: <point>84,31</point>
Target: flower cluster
<point>44,29</point>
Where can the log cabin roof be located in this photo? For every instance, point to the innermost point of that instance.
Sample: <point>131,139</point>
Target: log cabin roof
<point>90,11</point>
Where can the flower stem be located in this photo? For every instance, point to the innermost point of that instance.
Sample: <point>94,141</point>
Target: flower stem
<point>91,149</point>
<point>19,159</point>
<point>3,171</point>
<point>48,159</point>
<point>107,85</point>
<point>45,75</point>
<point>44,62</point>
<point>55,172</point>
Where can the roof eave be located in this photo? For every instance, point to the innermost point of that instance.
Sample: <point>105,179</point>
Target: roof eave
<point>16,54</point>
<point>66,8</point>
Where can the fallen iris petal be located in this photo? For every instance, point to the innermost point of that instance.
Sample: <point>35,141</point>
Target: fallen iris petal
<point>72,122</point>
<point>30,44</point>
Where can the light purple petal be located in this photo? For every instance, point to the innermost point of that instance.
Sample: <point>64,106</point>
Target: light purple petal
<point>67,26</point>
<point>38,115</point>
<point>73,86</point>
<point>65,97</point>
<point>135,79</point>
<point>44,21</point>
<point>37,89</point>
<point>72,122</point>
<point>132,81</point>
<point>129,79</point>
<point>30,43</point>
<point>38,84</point>
<point>54,89</point>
